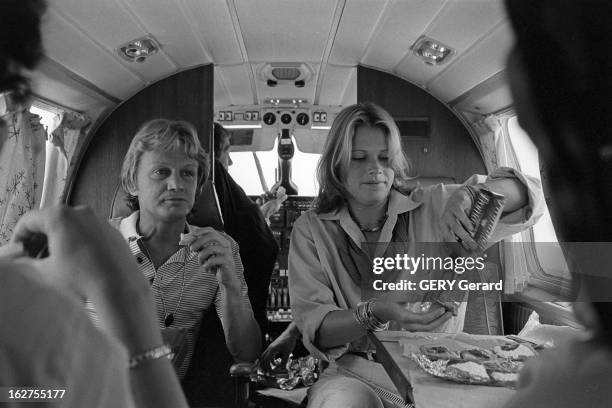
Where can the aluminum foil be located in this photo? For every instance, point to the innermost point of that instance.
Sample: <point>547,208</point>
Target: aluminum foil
<point>303,371</point>
<point>438,369</point>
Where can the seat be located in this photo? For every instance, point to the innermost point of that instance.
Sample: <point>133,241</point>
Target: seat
<point>247,395</point>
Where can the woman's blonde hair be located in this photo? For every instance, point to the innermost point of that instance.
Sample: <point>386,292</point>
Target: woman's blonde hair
<point>335,160</point>
<point>161,135</point>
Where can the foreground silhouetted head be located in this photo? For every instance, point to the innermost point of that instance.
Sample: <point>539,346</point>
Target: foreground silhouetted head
<point>561,77</point>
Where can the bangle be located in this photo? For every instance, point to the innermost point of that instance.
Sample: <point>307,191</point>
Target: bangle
<point>366,318</point>
<point>152,354</point>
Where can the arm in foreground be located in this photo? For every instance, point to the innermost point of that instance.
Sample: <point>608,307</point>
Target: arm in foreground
<point>90,257</point>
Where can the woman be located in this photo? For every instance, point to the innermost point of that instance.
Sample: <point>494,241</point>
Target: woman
<point>360,173</point>
<point>189,268</point>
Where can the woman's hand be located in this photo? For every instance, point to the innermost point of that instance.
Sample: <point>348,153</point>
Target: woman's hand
<point>280,348</point>
<point>427,321</point>
<point>455,225</point>
<point>214,250</point>
<point>84,252</point>
<point>89,256</point>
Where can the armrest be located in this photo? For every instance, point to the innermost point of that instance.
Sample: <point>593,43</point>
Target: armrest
<point>241,372</point>
<point>242,369</point>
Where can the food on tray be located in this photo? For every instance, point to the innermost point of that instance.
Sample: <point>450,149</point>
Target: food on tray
<point>477,355</point>
<point>468,371</point>
<point>462,372</point>
<point>505,378</point>
<point>471,360</point>
<point>438,353</point>
<point>503,365</point>
<point>514,351</point>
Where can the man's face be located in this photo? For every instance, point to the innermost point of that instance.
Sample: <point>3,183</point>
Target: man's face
<point>224,156</point>
<point>166,184</point>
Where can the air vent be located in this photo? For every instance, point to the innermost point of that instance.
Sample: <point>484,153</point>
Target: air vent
<point>286,73</point>
<point>280,72</point>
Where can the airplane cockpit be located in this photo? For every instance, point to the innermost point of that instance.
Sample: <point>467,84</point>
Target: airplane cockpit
<point>278,76</point>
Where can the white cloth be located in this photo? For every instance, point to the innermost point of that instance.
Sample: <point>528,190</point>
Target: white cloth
<point>22,164</point>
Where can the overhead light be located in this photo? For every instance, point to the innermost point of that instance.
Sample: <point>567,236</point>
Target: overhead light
<point>431,51</point>
<point>286,73</point>
<point>242,126</point>
<point>319,127</point>
<point>138,50</point>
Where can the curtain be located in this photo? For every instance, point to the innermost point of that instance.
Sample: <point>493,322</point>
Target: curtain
<point>22,162</point>
<point>60,148</point>
<point>497,151</point>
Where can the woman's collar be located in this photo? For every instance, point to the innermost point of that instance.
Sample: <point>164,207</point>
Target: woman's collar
<point>398,204</point>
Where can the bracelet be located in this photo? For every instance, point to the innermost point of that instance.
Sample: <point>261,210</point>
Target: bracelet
<point>366,318</point>
<point>152,354</point>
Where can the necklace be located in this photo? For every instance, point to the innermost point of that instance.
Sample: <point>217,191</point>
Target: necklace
<point>370,227</point>
<point>169,317</point>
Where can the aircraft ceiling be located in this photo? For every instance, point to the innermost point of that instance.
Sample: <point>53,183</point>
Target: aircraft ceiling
<point>327,38</point>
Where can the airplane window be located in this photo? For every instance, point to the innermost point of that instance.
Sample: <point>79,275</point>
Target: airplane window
<point>548,252</point>
<point>244,171</point>
<point>47,115</point>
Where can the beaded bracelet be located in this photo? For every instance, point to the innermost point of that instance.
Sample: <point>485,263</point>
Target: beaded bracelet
<point>366,318</point>
<point>152,354</point>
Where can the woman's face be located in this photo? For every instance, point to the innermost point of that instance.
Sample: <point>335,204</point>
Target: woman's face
<point>369,177</point>
<point>166,184</point>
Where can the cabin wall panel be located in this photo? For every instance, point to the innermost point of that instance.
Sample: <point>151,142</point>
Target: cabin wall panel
<point>448,151</point>
<point>187,95</point>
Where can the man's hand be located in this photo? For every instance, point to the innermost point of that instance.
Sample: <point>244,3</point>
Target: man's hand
<point>268,208</point>
<point>214,250</point>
